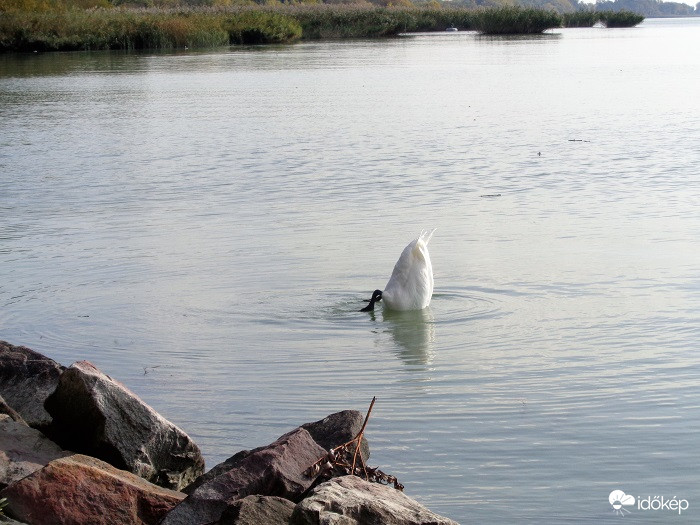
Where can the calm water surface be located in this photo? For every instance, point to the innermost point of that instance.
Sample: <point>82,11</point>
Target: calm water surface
<point>204,227</point>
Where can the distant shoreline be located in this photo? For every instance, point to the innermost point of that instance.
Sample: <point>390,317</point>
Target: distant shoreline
<point>189,28</point>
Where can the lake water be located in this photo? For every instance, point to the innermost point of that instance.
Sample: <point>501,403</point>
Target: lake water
<point>204,226</point>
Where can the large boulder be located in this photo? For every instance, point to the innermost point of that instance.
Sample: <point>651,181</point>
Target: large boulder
<point>329,432</point>
<point>23,450</point>
<point>258,510</point>
<point>95,415</point>
<point>83,490</point>
<point>280,469</point>
<point>349,500</point>
<point>27,378</point>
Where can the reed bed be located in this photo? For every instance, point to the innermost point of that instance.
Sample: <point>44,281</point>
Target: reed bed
<point>620,18</point>
<point>95,29</point>
<point>345,21</point>
<point>353,21</point>
<point>581,19</point>
<point>516,20</point>
<point>607,18</point>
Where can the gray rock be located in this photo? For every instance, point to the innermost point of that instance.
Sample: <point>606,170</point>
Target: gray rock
<point>23,450</point>
<point>337,429</point>
<point>27,378</point>
<point>6,409</point>
<point>95,415</point>
<point>258,510</point>
<point>329,432</point>
<point>276,470</point>
<point>349,500</point>
<point>10,521</point>
<point>219,469</point>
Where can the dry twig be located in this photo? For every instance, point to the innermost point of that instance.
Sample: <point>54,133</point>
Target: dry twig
<point>338,462</point>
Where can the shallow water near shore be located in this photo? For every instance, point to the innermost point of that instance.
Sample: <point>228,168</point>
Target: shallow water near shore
<point>205,226</point>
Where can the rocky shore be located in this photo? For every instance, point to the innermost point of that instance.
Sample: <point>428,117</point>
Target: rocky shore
<point>77,447</point>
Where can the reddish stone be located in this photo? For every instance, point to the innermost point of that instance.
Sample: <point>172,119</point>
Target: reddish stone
<point>79,490</point>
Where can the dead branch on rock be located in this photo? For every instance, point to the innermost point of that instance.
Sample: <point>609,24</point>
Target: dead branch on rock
<point>346,459</point>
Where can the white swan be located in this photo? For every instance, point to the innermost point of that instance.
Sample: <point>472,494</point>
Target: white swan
<point>410,286</point>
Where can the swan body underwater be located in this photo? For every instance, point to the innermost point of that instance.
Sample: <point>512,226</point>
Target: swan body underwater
<point>410,286</point>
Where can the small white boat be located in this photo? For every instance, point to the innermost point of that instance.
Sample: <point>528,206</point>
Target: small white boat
<point>452,28</point>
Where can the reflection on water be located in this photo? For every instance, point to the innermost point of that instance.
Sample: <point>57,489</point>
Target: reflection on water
<point>413,333</point>
<point>204,227</point>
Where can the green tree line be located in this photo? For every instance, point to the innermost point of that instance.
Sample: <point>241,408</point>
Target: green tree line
<point>649,8</point>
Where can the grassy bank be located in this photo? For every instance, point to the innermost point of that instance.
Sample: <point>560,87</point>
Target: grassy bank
<point>94,29</point>
<point>207,27</point>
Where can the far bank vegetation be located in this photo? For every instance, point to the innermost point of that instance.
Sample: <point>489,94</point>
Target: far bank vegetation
<point>47,25</point>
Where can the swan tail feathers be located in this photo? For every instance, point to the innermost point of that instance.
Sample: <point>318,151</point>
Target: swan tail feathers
<point>426,235</point>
